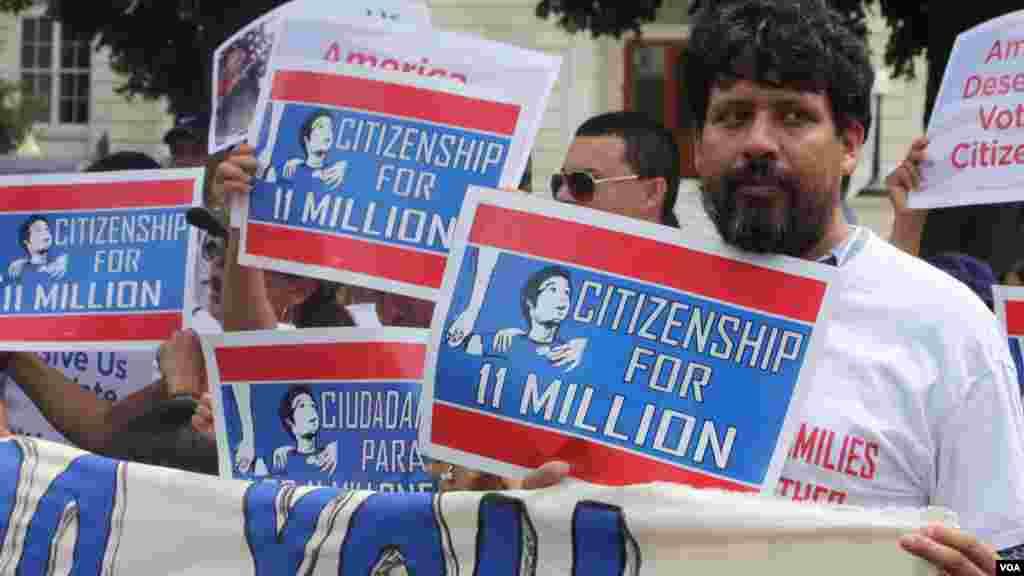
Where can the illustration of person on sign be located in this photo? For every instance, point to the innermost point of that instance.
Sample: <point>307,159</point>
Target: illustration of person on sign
<point>300,416</point>
<point>545,300</point>
<point>35,238</point>
<point>316,136</point>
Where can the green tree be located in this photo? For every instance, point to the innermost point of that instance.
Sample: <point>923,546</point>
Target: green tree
<point>163,48</point>
<point>18,111</point>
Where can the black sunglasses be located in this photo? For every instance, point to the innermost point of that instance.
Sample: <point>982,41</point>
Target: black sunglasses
<point>581,185</point>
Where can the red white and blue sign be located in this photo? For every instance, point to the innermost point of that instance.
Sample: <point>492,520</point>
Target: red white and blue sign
<point>96,261</point>
<point>617,346</point>
<point>364,172</point>
<point>1009,307</point>
<point>320,407</point>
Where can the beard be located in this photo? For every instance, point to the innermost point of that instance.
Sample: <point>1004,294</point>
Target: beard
<point>791,223</point>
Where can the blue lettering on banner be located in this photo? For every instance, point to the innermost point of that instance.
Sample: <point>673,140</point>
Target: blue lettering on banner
<point>506,542</point>
<point>88,495</point>
<point>11,466</point>
<point>387,531</point>
<point>384,531</point>
<point>307,517</point>
<point>601,541</point>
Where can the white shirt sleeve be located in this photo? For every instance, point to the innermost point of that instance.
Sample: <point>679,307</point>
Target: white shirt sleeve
<point>365,315</point>
<point>980,459</point>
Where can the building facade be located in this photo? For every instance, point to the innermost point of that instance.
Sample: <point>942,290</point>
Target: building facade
<point>82,112</point>
<point>85,113</point>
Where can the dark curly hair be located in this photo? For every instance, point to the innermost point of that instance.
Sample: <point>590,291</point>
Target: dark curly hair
<point>800,44</point>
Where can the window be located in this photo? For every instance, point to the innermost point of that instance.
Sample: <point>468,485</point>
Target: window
<point>55,67</point>
<point>653,70</point>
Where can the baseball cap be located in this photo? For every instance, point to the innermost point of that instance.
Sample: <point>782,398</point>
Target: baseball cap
<point>194,125</point>
<point>213,221</point>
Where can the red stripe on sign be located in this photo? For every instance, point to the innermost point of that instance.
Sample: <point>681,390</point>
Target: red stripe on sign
<point>108,195</point>
<point>329,361</point>
<point>344,253</point>
<point>531,447</point>
<point>649,260</point>
<point>396,99</point>
<point>83,328</point>
<point>1015,317</point>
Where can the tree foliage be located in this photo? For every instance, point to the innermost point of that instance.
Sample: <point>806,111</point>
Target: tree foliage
<point>18,111</point>
<point>908,22</point>
<point>161,47</point>
<point>601,18</point>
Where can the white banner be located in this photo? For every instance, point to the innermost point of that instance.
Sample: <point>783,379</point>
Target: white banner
<point>69,512</point>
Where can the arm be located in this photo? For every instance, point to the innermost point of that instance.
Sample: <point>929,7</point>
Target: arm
<point>908,224</point>
<point>246,305</point>
<point>89,422</point>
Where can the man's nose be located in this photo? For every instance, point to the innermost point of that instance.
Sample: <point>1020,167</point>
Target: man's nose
<point>761,139</point>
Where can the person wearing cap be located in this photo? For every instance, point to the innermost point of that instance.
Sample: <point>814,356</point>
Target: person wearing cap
<point>187,139</point>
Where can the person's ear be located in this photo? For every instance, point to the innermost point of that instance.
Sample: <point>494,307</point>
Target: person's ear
<point>852,138</point>
<point>654,193</point>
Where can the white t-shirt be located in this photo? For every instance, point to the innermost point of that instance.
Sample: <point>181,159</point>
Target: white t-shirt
<point>915,401</point>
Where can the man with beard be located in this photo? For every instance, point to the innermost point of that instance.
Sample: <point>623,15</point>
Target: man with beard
<point>780,91</point>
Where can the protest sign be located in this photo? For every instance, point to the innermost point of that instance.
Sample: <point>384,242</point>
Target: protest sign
<point>99,261</point>
<point>69,512</point>
<point>1009,305</point>
<point>334,407</point>
<point>976,129</point>
<point>240,62</point>
<point>366,163</point>
<point>617,346</point>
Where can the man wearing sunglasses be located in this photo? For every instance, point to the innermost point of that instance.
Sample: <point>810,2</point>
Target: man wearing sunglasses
<point>623,163</point>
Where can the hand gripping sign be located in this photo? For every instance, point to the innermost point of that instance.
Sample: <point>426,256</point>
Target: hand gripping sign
<point>616,346</point>
<point>366,160</point>
<point>96,261</point>
<point>321,407</point>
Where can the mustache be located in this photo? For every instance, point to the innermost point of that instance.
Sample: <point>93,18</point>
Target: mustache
<point>760,171</point>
